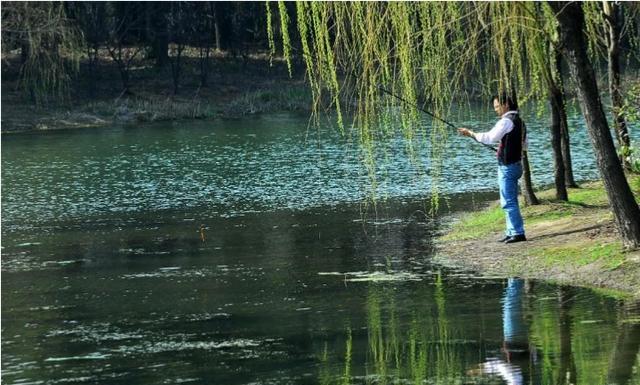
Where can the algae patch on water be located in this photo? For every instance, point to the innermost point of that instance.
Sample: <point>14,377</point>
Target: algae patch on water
<point>378,276</point>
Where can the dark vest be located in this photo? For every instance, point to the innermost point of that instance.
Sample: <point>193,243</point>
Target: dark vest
<point>510,148</point>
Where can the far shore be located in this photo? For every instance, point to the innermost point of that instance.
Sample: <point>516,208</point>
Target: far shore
<point>236,87</point>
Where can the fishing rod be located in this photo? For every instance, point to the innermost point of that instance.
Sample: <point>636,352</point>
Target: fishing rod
<point>411,104</point>
<point>429,113</point>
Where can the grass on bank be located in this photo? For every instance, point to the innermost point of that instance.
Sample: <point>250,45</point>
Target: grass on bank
<point>588,203</point>
<point>610,254</point>
<point>483,223</point>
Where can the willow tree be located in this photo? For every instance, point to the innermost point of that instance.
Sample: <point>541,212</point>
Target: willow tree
<point>432,52</point>
<point>423,53</point>
<point>546,60</point>
<point>367,59</point>
<point>428,52</point>
<point>506,32</point>
<point>524,53</point>
<point>50,47</point>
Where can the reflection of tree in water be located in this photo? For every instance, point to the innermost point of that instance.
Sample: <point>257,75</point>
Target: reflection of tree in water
<point>549,335</point>
<point>576,342</point>
<point>420,345</point>
<point>424,349</point>
<point>567,369</point>
<point>625,356</point>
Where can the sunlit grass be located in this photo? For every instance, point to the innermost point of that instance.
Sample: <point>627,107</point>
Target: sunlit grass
<point>609,255</point>
<point>476,225</point>
<point>491,220</point>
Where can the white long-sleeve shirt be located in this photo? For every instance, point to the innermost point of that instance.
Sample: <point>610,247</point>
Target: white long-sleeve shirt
<point>501,128</point>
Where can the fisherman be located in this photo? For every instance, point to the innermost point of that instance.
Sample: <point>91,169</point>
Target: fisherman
<point>510,133</point>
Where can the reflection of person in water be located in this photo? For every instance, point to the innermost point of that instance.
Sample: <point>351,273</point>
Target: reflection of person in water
<point>515,342</point>
<point>514,331</point>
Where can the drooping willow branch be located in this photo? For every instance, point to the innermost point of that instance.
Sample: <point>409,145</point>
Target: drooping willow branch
<point>50,43</point>
<point>426,53</point>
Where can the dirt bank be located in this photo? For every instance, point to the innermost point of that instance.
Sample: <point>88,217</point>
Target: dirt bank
<point>573,243</point>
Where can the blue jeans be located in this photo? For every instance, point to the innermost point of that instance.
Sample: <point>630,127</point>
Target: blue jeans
<point>508,176</point>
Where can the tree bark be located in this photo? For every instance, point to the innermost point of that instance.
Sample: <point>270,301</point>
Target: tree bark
<point>158,32</point>
<point>216,27</point>
<point>178,35</point>
<point>555,97</point>
<point>613,22</point>
<point>206,35</point>
<point>92,55</point>
<point>565,142</point>
<point>204,65</point>
<point>124,76</point>
<point>625,210</point>
<point>24,51</point>
<point>530,198</point>
<point>176,69</point>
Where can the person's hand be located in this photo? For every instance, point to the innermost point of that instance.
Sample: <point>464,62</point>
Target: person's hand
<point>466,132</point>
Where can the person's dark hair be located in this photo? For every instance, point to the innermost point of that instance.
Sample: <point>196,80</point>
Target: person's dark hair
<point>503,98</point>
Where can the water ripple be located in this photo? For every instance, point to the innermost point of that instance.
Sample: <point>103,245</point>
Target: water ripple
<point>270,165</point>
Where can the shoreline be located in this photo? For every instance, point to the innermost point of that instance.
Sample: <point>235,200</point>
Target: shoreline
<point>19,119</point>
<point>569,243</point>
<point>235,88</point>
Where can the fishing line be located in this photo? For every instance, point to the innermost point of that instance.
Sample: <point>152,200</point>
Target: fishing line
<point>429,113</point>
<point>406,102</point>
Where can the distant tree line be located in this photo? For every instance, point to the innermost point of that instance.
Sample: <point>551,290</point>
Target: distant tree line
<point>53,37</point>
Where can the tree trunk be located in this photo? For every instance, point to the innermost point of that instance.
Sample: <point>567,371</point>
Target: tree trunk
<point>123,69</point>
<point>124,75</point>
<point>555,97</point>
<point>216,27</point>
<point>612,17</point>
<point>160,33</point>
<point>176,69</point>
<point>24,51</point>
<point>626,212</point>
<point>565,143</point>
<point>206,37</point>
<point>204,65</point>
<point>530,198</point>
<point>92,55</point>
<point>162,49</point>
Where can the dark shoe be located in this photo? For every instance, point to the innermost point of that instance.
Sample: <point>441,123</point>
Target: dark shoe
<point>502,240</point>
<point>516,238</point>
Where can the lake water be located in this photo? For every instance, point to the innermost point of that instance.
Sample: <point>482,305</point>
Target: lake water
<point>240,252</point>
